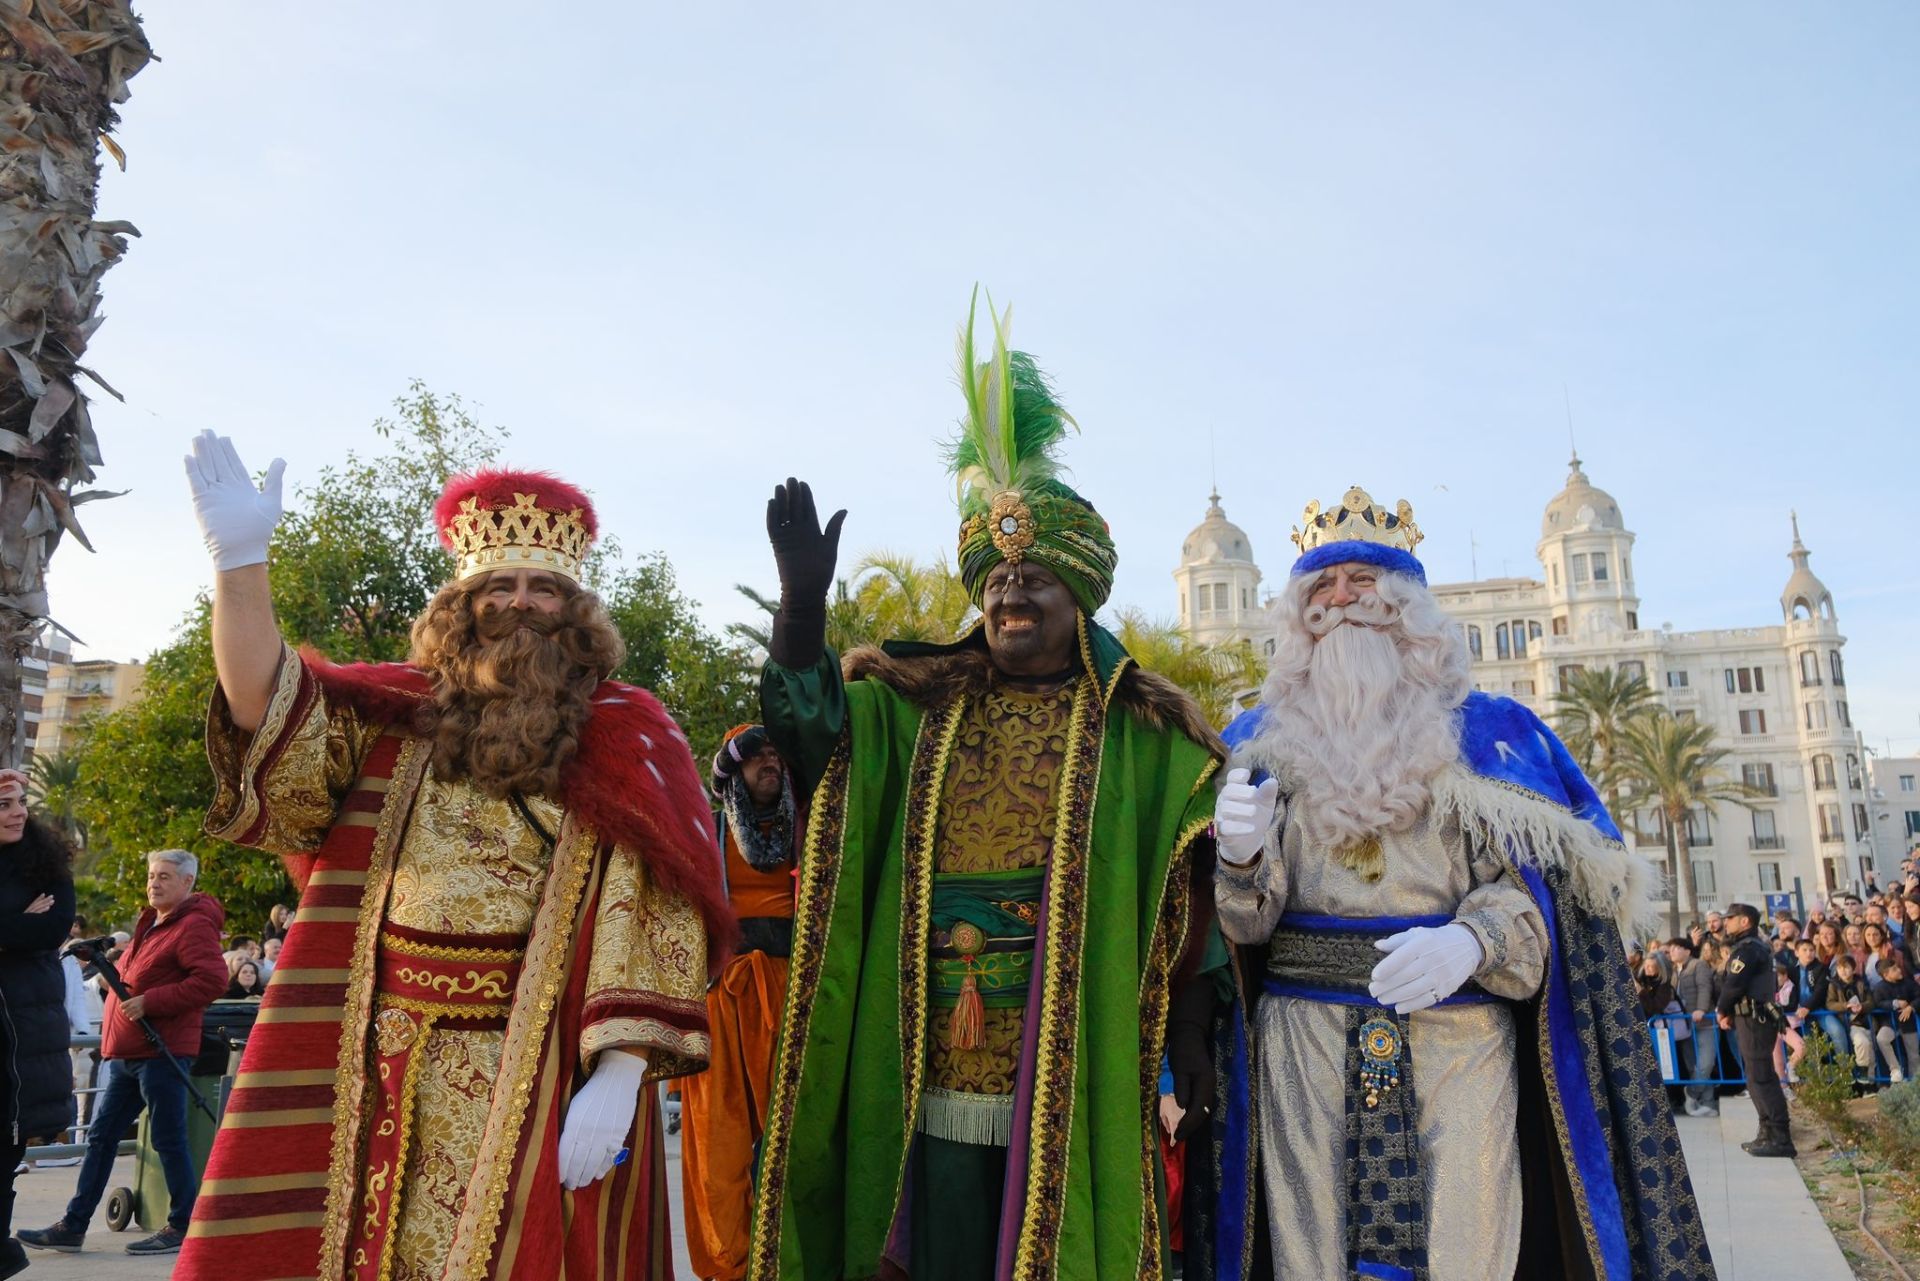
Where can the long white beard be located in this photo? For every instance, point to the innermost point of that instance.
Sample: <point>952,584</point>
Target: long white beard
<point>1359,740</point>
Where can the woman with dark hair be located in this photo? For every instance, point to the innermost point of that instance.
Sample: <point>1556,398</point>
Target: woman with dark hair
<point>246,980</point>
<point>36,908</point>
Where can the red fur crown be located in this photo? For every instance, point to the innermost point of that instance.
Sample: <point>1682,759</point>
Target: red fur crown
<point>498,519</point>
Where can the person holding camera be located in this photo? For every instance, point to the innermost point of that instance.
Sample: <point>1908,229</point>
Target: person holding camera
<point>173,969</point>
<point>36,907</point>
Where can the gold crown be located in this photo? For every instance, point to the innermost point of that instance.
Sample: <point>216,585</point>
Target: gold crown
<point>1359,519</point>
<point>523,536</point>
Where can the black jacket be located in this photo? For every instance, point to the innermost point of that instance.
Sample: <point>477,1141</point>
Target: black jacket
<point>1749,974</point>
<point>34,1030</point>
<point>1810,986</point>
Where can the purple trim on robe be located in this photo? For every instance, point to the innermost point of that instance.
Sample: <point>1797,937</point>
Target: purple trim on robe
<point>1013,1197</point>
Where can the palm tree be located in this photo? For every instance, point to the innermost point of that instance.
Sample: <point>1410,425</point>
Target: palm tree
<point>1593,710</point>
<point>53,781</point>
<point>887,597</point>
<point>1675,766</point>
<point>65,66</point>
<point>1215,675</point>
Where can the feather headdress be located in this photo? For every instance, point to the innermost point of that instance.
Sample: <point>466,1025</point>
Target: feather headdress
<point>1013,504</point>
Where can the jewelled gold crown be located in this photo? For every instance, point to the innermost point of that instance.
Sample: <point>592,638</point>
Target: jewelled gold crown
<point>521,536</point>
<point>1357,518</point>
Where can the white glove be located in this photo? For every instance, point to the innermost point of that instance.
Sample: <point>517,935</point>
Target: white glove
<point>235,518</point>
<point>1424,966</point>
<point>600,1117</point>
<point>1241,815</point>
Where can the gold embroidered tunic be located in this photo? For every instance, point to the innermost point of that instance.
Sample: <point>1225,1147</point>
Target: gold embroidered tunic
<point>998,811</point>
<point>465,866</point>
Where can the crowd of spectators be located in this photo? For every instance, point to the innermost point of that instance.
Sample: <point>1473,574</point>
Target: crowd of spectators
<point>1848,972</point>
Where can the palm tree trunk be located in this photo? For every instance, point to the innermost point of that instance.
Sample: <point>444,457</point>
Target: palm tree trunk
<point>62,69</point>
<point>1683,856</point>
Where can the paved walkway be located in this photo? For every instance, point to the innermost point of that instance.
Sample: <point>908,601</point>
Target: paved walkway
<point>1762,1224</point>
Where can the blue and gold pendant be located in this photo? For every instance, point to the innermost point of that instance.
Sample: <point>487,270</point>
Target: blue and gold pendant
<point>1380,1046</point>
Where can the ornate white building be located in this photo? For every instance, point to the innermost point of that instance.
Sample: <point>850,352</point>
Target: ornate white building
<point>1776,693</point>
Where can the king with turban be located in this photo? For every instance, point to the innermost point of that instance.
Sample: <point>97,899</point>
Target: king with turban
<point>1002,899</point>
<point>508,904</point>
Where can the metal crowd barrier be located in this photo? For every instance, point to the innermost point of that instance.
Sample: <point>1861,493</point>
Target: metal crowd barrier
<point>1730,1068</point>
<point>83,1112</point>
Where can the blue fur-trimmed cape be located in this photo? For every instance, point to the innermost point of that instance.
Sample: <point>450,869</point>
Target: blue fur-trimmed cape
<point>1604,1182</point>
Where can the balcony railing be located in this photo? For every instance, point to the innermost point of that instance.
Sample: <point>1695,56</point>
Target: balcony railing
<point>1766,842</point>
<point>1767,788</point>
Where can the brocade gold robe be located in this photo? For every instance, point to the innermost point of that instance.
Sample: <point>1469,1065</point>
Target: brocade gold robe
<point>491,955</point>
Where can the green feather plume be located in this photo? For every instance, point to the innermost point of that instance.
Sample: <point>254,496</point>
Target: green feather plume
<point>1013,423</point>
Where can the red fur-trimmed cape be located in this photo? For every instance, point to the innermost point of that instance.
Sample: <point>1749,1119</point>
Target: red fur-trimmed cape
<point>633,780</point>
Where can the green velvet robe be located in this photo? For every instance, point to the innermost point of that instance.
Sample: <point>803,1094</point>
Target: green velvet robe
<point>1130,848</point>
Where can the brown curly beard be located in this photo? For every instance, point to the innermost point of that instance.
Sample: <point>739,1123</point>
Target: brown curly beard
<point>513,688</point>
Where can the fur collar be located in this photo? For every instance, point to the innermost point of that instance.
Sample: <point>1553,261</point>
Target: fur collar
<point>933,680</point>
<point>633,780</point>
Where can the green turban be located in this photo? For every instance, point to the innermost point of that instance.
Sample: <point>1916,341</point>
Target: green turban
<point>1013,506</point>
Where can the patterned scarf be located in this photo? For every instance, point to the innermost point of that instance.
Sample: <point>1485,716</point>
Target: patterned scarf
<point>765,840</point>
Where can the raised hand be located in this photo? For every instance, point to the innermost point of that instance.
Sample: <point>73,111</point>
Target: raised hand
<point>236,518</point>
<point>804,553</point>
<point>1242,813</point>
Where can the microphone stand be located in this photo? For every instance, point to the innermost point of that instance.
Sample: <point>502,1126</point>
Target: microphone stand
<point>105,969</point>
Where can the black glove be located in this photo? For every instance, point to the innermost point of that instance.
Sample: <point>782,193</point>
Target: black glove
<point>1189,1028</point>
<point>805,555</point>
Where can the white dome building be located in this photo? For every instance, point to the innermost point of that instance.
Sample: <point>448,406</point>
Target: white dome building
<point>1219,582</point>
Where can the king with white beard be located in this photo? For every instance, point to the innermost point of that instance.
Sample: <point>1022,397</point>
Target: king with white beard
<point>1446,1078</point>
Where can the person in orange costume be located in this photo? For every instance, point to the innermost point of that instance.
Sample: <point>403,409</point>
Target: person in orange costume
<point>726,1106</point>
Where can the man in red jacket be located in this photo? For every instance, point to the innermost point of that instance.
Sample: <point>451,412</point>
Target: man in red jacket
<point>173,968</point>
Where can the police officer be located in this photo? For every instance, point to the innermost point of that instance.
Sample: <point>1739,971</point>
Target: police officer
<point>1746,1008</point>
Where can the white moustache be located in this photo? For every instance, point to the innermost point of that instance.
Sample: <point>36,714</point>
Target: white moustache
<point>1369,611</point>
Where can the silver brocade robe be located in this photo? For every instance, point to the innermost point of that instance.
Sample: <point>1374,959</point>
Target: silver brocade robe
<point>1463,1056</point>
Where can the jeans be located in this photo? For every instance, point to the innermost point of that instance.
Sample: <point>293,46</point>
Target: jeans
<point>1706,1055</point>
<point>139,1084</point>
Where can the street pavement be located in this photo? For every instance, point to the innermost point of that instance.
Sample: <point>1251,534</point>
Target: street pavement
<point>1780,1237</point>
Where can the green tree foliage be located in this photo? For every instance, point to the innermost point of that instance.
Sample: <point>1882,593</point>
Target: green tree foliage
<point>887,597</point>
<point>1676,766</point>
<point>1215,675</point>
<point>353,563</point>
<point>1593,710</point>
<point>52,790</point>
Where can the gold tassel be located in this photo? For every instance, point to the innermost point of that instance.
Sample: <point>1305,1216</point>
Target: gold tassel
<point>970,1016</point>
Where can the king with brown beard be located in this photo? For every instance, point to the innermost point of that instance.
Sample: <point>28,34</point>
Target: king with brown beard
<point>509,904</point>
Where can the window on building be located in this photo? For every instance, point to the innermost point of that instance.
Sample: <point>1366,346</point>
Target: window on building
<point>1246,599</point>
<point>1823,772</point>
<point>1533,630</point>
<point>1809,668</point>
<point>1633,669</point>
<point>1833,661</point>
<point>1746,680</point>
<point>1759,778</point>
<point>1272,646</point>
<point>1676,680</point>
<point>1523,687</point>
<point>1599,567</point>
<point>1554,568</point>
<point>1765,835</point>
<point>1830,829</point>
<point>1568,671</point>
<point>1519,638</point>
<point>1559,624</point>
<point>1730,685</point>
<point>1861,823</point>
<point>1579,567</point>
<point>1703,878</point>
<point>1502,648</point>
<point>1686,716</point>
<point>1817,714</point>
<point>1769,876</point>
<point>1753,720</point>
<point>1906,782</point>
<point>1913,823</point>
<point>1633,621</point>
<point>1626,566</point>
<point>1853,772</point>
<point>1473,640</point>
<point>1699,827</point>
<point>1846,717</point>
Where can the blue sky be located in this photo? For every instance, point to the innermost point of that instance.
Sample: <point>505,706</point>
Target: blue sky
<point>682,252</point>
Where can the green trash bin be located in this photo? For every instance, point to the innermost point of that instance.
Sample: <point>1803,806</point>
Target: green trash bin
<point>224,1032</point>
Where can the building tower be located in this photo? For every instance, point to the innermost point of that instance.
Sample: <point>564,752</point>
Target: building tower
<point>1586,552</point>
<point>1829,745</point>
<point>1219,583</point>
